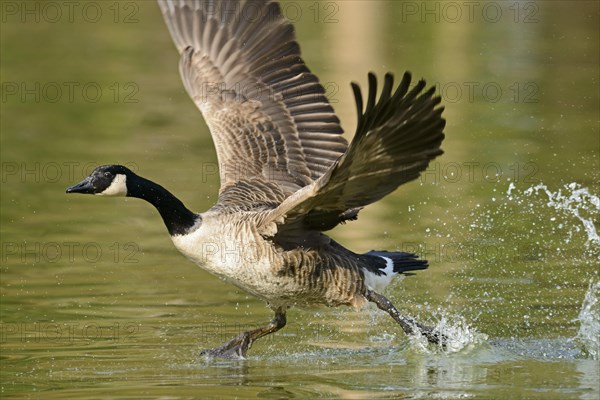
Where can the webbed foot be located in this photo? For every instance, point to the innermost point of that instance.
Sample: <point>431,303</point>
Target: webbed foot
<point>235,349</point>
<point>238,347</point>
<point>433,335</point>
<point>408,324</point>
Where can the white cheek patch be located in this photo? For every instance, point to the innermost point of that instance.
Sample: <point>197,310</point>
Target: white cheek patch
<point>118,187</point>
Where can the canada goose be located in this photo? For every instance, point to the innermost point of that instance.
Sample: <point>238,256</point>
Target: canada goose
<point>287,174</point>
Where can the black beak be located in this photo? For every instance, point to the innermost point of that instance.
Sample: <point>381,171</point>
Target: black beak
<point>85,187</point>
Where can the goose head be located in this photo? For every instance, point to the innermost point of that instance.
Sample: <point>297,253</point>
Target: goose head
<point>106,180</point>
<point>117,180</point>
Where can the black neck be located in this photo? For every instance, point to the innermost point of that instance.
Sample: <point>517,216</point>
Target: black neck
<point>176,216</point>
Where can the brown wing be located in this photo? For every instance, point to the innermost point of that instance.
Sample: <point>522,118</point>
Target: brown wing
<point>267,112</point>
<point>395,140</point>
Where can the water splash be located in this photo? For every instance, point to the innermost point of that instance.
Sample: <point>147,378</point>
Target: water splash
<point>574,201</point>
<point>589,318</point>
<point>459,333</point>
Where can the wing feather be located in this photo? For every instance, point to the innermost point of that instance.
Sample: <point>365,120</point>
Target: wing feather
<point>267,112</point>
<point>396,138</point>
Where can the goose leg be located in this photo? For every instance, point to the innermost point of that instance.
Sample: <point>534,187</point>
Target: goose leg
<point>408,324</point>
<point>238,347</point>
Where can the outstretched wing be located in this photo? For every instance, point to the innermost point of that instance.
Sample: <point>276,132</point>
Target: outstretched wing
<point>395,140</point>
<point>268,114</point>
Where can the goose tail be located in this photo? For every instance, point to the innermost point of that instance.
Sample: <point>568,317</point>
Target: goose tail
<point>384,265</point>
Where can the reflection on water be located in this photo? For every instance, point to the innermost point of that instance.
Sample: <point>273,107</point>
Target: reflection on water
<point>96,302</point>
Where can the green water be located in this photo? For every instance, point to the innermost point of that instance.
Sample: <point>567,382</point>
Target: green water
<point>96,302</point>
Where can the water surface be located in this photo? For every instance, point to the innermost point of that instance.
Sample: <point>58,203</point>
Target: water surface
<point>95,301</point>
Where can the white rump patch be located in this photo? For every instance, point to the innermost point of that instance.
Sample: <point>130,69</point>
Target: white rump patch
<point>118,187</point>
<point>379,282</point>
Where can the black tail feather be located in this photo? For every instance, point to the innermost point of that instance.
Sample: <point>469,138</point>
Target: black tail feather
<point>403,262</point>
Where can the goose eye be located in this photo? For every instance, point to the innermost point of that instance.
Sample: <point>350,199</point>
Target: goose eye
<point>107,174</point>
